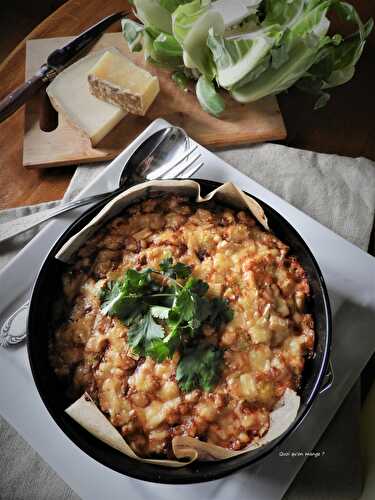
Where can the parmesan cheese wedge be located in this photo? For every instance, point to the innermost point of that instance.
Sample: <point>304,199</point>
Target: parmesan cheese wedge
<point>116,80</point>
<point>70,95</point>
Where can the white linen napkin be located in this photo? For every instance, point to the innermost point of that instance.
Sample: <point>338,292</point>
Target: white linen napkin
<point>337,191</point>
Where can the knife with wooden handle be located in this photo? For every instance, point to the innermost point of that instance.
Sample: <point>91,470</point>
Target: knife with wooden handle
<point>55,63</point>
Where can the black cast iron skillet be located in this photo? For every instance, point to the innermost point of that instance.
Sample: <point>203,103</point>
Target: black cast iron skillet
<point>47,288</point>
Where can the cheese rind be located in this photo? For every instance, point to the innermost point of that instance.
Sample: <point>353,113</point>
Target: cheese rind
<point>116,80</point>
<point>70,95</point>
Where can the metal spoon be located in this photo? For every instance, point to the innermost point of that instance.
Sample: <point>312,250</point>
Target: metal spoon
<point>164,152</point>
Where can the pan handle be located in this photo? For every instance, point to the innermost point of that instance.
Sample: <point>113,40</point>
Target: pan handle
<point>13,330</point>
<point>328,378</point>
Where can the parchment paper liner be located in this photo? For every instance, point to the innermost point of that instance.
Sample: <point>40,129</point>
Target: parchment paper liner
<point>227,193</point>
<point>85,412</point>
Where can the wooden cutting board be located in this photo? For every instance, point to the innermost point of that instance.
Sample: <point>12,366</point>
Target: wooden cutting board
<point>240,124</point>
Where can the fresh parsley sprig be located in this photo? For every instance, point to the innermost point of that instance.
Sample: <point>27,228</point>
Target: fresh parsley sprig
<point>125,298</point>
<point>165,310</point>
<point>178,270</point>
<point>143,332</point>
<point>199,367</point>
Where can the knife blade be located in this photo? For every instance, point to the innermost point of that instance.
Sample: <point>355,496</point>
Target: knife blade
<point>55,63</point>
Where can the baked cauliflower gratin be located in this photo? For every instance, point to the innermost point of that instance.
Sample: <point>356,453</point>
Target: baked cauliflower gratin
<point>183,319</point>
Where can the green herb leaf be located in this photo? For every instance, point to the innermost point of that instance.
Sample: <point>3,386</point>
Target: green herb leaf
<point>199,367</point>
<point>135,281</point>
<point>117,303</point>
<point>178,270</point>
<point>124,297</point>
<point>190,309</point>
<point>186,302</point>
<point>143,332</point>
<point>159,351</point>
<point>220,312</point>
<point>160,312</point>
<point>197,286</point>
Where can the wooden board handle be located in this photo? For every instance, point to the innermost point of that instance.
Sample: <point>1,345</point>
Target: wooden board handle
<point>48,116</point>
<point>21,94</point>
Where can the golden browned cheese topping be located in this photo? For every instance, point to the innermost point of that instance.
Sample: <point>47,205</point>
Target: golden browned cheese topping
<point>265,344</point>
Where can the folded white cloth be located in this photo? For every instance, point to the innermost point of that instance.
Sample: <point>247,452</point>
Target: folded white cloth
<point>337,191</point>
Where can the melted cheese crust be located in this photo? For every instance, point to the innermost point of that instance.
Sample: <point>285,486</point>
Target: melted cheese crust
<point>265,344</point>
